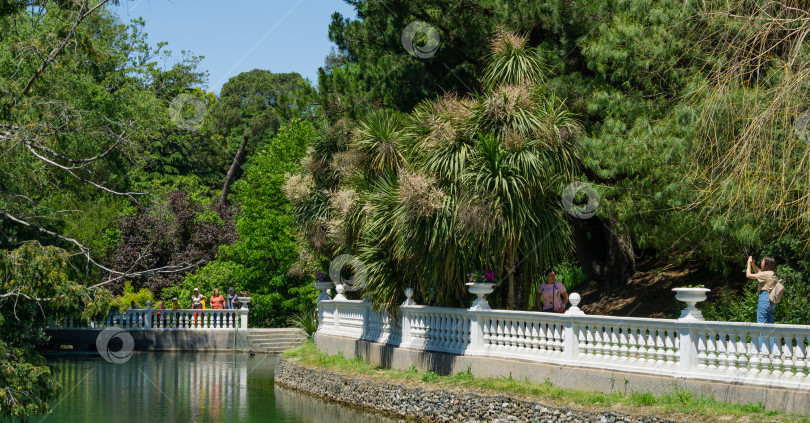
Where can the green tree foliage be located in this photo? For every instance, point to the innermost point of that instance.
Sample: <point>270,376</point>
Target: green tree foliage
<point>35,286</point>
<point>372,68</point>
<point>82,113</point>
<point>83,107</point>
<point>252,107</point>
<point>267,248</point>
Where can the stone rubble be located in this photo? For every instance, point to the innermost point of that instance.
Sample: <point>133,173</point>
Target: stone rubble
<point>437,405</point>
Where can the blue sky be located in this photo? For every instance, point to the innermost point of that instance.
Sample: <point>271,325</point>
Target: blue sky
<point>236,36</point>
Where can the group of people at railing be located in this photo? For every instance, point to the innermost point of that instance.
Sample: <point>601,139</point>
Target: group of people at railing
<point>217,301</point>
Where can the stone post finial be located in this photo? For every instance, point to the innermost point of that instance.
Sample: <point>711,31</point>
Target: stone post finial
<point>409,297</point>
<point>340,290</point>
<point>574,299</point>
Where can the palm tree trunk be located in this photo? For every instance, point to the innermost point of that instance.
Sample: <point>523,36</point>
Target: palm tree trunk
<point>510,267</point>
<point>235,165</point>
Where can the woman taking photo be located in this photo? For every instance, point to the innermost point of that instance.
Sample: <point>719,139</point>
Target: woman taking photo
<point>767,281</point>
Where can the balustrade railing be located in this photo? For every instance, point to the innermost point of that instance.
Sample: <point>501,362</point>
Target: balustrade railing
<point>160,319</point>
<point>751,353</point>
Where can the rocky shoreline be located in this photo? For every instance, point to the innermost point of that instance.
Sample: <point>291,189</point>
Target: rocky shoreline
<point>433,405</point>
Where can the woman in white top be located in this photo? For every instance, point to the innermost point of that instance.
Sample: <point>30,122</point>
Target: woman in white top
<point>197,299</point>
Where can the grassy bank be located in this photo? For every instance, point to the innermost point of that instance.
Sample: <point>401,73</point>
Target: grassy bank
<point>677,404</point>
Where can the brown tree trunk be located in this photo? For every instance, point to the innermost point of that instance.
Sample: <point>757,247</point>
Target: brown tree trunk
<point>604,252</point>
<point>510,266</point>
<point>235,165</point>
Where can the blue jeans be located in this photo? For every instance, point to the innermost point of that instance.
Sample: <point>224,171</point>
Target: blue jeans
<point>765,308</point>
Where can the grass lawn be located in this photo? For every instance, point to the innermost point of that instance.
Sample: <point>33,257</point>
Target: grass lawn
<point>677,404</point>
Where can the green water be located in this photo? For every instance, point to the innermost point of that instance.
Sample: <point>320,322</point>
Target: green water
<point>186,387</point>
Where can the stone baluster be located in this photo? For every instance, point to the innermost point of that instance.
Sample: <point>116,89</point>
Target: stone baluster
<point>624,340</point>
<point>711,351</point>
<point>766,345</point>
<point>702,356</point>
<point>670,347</point>
<point>632,341</point>
<point>731,353</point>
<point>534,336</point>
<point>753,354</point>
<point>614,344</point>
<point>643,347</point>
<point>799,357</point>
<point>788,365</point>
<point>599,342</point>
<point>660,347</point>
<point>722,357</point>
<point>742,353</point>
<point>776,362</point>
<point>557,339</point>
<point>652,345</point>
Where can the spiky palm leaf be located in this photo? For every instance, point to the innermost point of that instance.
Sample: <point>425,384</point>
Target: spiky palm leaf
<point>378,137</point>
<point>512,61</point>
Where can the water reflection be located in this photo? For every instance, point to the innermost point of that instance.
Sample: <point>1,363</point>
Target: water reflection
<point>187,387</point>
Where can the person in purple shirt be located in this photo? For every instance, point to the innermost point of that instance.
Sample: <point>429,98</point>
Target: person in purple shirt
<point>551,296</point>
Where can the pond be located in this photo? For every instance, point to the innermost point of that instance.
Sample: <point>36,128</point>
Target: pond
<point>186,387</point>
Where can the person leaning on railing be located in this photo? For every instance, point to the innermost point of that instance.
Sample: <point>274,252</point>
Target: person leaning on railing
<point>133,316</point>
<point>217,303</point>
<point>551,295</point>
<point>767,282</point>
<point>230,299</point>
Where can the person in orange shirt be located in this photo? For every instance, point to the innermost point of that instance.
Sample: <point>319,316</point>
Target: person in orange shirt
<point>217,303</point>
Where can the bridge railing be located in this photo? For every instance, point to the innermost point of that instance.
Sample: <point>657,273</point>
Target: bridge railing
<point>749,353</point>
<point>162,319</point>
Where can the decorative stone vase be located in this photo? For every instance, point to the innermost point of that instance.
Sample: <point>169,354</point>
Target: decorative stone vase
<point>481,289</point>
<point>691,296</point>
<point>323,287</point>
<point>243,301</point>
<point>340,290</point>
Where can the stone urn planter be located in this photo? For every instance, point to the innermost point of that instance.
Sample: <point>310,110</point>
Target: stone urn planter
<point>241,302</point>
<point>481,289</point>
<point>323,287</point>
<point>691,296</point>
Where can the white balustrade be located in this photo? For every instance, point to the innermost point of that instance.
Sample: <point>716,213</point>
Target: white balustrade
<point>521,335</point>
<point>159,319</point>
<point>749,353</point>
<point>436,328</point>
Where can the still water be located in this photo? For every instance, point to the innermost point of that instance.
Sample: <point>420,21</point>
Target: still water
<point>186,387</point>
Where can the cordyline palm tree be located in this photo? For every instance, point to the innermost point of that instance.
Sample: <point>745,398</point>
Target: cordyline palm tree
<point>460,184</point>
